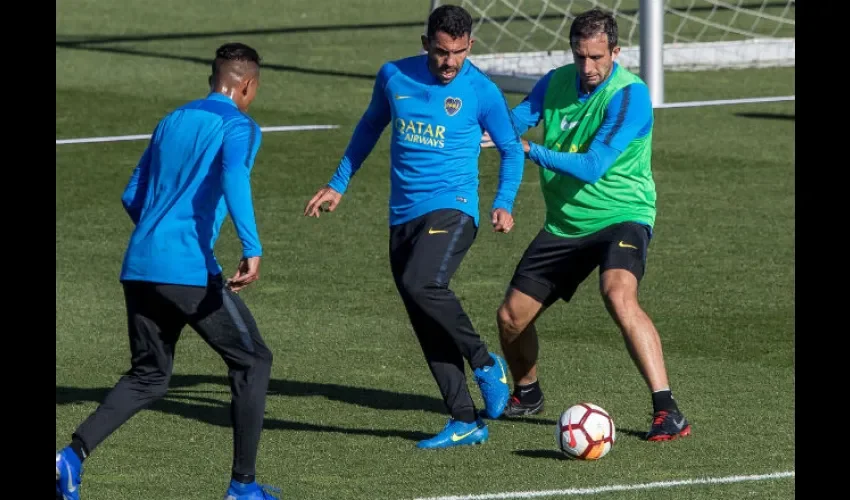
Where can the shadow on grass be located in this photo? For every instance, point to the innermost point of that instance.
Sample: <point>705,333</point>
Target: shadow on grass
<point>552,454</point>
<point>186,402</point>
<point>555,454</point>
<point>768,116</point>
<point>206,61</point>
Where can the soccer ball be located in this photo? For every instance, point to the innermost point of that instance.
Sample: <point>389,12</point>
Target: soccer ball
<point>585,432</point>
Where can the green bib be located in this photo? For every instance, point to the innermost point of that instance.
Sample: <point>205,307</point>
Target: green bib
<point>626,192</point>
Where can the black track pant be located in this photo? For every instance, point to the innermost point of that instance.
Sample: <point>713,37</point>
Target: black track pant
<point>424,254</point>
<point>156,314</point>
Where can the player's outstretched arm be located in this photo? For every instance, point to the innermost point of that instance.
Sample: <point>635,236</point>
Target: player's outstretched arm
<point>239,150</point>
<point>366,134</point>
<point>494,117</point>
<point>628,116</point>
<point>526,114</point>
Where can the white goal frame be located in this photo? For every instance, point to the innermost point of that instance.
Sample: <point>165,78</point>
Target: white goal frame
<point>650,58</point>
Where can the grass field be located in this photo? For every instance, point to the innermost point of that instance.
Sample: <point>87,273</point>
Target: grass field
<point>350,393</point>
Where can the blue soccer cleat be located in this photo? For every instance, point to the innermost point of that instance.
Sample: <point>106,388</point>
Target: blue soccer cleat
<point>457,433</point>
<point>250,491</point>
<point>493,382</point>
<point>69,474</point>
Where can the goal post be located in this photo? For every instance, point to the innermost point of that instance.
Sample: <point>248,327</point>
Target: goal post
<point>518,41</point>
<point>652,48</point>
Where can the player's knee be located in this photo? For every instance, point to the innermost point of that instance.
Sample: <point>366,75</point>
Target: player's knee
<point>511,322</point>
<point>419,291</point>
<point>157,385</point>
<point>159,391</point>
<point>263,357</point>
<point>620,299</point>
<point>256,359</point>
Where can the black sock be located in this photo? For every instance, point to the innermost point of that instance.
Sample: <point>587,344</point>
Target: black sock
<point>529,393</point>
<point>467,416</point>
<point>663,400</point>
<point>243,478</point>
<point>79,447</point>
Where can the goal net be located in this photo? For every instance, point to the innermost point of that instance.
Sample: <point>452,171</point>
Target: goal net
<point>517,41</point>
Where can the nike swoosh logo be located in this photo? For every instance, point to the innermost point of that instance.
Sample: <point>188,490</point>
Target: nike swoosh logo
<point>400,97</point>
<point>626,245</point>
<point>568,125</point>
<point>456,438</point>
<point>525,391</point>
<point>436,231</point>
<point>503,379</point>
<point>680,423</point>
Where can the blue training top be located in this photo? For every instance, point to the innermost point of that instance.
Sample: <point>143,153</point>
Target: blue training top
<point>436,137</point>
<point>194,171</point>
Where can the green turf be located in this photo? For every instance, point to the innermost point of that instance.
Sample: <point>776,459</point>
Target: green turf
<point>351,393</point>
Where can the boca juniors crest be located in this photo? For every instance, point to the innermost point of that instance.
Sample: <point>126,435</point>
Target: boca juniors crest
<point>452,105</point>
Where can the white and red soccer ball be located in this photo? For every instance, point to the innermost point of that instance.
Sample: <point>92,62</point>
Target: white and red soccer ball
<point>585,432</point>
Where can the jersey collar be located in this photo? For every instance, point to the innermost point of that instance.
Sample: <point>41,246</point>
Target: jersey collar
<point>217,96</point>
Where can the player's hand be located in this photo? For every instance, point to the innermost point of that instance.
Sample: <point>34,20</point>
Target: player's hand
<point>317,203</point>
<point>247,272</point>
<point>526,146</point>
<point>502,220</point>
<point>486,141</point>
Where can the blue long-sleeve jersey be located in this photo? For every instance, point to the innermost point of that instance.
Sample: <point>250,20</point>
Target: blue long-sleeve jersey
<point>195,170</point>
<point>628,116</point>
<point>436,137</point>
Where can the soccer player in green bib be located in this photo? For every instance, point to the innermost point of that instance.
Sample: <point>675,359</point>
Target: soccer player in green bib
<point>600,209</point>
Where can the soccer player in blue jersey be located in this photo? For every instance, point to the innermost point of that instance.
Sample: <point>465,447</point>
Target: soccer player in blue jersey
<point>438,105</point>
<point>194,172</point>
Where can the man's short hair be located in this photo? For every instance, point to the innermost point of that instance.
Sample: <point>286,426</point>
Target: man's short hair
<point>234,52</point>
<point>591,23</point>
<point>452,20</point>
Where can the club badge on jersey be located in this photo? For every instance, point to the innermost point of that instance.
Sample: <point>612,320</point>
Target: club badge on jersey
<point>452,105</point>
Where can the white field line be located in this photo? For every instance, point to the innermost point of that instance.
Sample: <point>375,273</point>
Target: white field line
<point>291,128</point>
<point>116,138</point>
<point>615,487</point>
<point>721,102</point>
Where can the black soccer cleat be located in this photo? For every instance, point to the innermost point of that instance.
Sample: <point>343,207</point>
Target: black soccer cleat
<point>667,425</point>
<point>517,408</point>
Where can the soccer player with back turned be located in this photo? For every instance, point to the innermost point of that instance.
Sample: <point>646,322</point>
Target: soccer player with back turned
<point>600,197</point>
<point>437,105</point>
<point>195,170</point>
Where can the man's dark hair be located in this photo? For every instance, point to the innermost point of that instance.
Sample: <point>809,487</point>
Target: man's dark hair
<point>591,23</point>
<point>452,20</point>
<point>234,52</point>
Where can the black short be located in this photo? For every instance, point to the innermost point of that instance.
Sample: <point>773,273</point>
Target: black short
<point>553,267</point>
